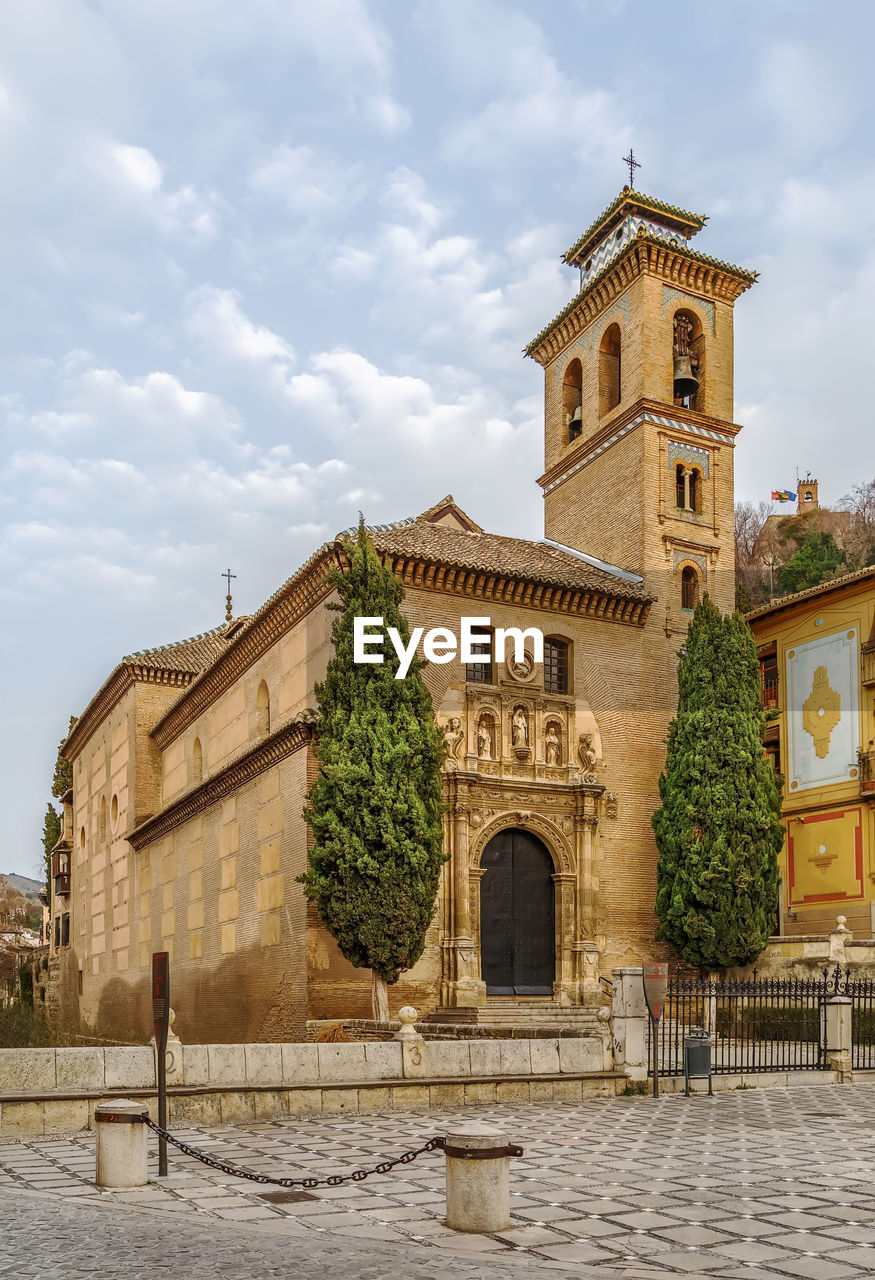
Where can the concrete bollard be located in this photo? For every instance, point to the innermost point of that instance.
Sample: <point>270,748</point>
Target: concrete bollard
<point>121,1144</point>
<point>478,1185</point>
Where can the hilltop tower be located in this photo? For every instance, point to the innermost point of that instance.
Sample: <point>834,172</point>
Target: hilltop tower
<point>639,437</point>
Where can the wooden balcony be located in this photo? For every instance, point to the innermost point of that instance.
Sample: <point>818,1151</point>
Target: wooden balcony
<point>769,685</point>
<point>868,663</point>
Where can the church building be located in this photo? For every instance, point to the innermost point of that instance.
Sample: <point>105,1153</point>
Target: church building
<point>191,763</point>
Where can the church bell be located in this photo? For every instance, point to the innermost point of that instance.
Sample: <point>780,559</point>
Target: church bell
<point>575,424</point>
<point>685,381</point>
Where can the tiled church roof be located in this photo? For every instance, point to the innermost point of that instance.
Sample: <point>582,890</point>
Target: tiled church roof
<point>492,553</point>
<point>443,535</point>
<point>194,655</point>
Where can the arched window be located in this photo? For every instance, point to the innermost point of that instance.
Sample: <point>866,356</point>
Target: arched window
<point>101,820</point>
<point>481,672</point>
<point>197,762</point>
<point>688,487</point>
<point>609,369</point>
<point>688,361</point>
<point>262,710</point>
<point>689,588</point>
<point>555,665</point>
<point>572,400</point>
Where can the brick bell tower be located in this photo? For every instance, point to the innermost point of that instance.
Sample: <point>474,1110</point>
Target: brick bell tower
<point>639,437</point>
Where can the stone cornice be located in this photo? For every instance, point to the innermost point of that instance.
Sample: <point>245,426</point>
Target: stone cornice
<point>666,418</point>
<point>256,760</point>
<point>678,265</point>
<point>125,675</point>
<point>608,604</point>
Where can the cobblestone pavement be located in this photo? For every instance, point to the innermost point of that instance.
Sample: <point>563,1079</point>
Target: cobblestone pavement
<point>756,1184</point>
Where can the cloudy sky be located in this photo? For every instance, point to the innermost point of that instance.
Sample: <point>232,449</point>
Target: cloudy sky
<point>266,264</point>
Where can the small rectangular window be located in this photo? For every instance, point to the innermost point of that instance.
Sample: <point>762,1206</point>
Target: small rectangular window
<point>480,672</point>
<point>555,666</point>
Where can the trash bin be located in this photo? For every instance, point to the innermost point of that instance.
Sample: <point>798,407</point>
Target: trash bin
<point>697,1057</point>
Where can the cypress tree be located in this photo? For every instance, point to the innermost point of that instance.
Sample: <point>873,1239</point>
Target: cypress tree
<point>719,829</point>
<point>375,808</point>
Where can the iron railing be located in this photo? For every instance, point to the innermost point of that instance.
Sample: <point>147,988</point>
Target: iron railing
<point>862,994</point>
<point>757,1025</point>
<point>769,686</point>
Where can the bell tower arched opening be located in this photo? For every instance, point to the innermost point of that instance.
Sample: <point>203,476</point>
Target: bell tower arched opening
<point>688,360</point>
<point>610,391</point>
<point>572,400</point>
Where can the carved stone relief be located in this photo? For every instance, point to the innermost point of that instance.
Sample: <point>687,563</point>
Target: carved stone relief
<point>522,671</point>
<point>588,757</point>
<point>453,736</point>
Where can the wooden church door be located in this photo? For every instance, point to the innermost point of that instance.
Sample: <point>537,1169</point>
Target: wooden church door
<point>517,934</point>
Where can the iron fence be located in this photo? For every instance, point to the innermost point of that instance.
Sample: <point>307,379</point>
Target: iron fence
<point>756,1024</point>
<point>862,995</point>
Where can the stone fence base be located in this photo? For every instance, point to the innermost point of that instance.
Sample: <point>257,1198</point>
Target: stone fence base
<point>57,1090</point>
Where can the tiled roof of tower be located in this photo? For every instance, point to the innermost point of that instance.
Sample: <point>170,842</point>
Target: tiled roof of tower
<point>693,221</point>
<point>741,273</point>
<point>194,654</point>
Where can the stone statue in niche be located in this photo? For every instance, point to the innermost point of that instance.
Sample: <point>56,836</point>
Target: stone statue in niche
<point>588,757</point>
<point>553,744</point>
<point>453,736</point>
<point>484,738</point>
<point>520,728</point>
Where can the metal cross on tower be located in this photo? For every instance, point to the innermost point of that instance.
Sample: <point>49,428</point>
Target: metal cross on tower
<point>229,575</point>
<point>633,165</point>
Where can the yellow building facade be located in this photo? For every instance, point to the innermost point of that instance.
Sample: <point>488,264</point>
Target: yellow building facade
<point>817,659</point>
<point>192,762</point>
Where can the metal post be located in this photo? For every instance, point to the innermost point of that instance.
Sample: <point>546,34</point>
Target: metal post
<point>161,1019</point>
<point>654,1022</point>
<point>655,978</point>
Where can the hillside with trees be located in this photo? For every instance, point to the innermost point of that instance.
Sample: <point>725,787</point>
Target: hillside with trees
<point>777,555</point>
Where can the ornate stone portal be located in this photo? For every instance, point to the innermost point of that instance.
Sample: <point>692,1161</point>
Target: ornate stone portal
<point>516,774</point>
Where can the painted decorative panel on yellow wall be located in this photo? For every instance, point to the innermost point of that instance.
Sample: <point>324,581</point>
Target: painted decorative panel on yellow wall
<point>825,855</point>
<point>823,719</point>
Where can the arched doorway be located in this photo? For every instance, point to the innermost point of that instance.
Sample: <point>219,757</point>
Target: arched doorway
<point>517,932</point>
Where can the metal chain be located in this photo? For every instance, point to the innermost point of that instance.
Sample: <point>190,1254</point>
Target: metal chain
<point>237,1171</point>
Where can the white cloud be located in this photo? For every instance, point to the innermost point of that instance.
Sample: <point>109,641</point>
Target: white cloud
<point>216,317</point>
<point>306,183</point>
<point>183,209</point>
<point>139,167</point>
